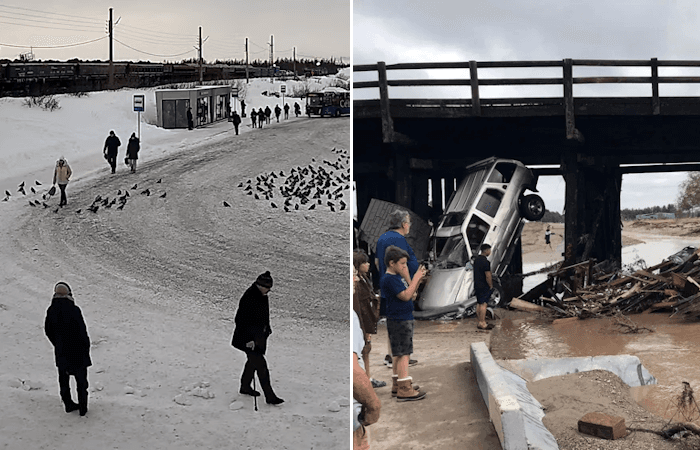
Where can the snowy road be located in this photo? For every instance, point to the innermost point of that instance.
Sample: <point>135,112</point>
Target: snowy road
<point>159,282</point>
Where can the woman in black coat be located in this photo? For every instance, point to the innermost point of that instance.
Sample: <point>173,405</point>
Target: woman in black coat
<point>132,151</point>
<point>250,336</point>
<point>65,328</point>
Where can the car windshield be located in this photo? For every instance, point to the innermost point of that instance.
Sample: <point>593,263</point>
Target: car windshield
<point>451,252</point>
<point>464,197</point>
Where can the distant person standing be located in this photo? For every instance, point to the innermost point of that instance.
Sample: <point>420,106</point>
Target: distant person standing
<point>111,150</point>
<point>61,175</point>
<point>254,117</point>
<point>548,237</point>
<point>261,117</point>
<point>132,151</point>
<point>250,336</point>
<point>65,328</point>
<point>190,121</point>
<point>236,119</point>
<point>268,114</point>
<point>483,285</point>
<point>243,108</point>
<point>286,111</point>
<point>278,111</point>
<point>297,109</point>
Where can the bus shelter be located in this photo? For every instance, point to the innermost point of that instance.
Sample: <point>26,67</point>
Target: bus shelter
<point>209,104</point>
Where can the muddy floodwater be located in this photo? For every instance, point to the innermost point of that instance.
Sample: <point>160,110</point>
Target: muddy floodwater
<point>671,353</point>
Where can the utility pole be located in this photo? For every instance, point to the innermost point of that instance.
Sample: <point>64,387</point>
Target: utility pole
<point>111,52</point>
<point>201,79</point>
<point>294,57</point>
<point>246,61</point>
<point>272,60</point>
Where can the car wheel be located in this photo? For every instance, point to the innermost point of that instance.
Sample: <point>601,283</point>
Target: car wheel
<point>532,207</point>
<point>498,296</point>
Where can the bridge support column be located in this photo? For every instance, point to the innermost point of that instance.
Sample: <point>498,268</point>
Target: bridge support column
<point>592,208</point>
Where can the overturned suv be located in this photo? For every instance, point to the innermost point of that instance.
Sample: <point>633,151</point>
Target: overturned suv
<point>489,207</point>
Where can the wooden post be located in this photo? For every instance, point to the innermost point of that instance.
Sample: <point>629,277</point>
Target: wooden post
<point>572,201</point>
<point>655,103</point>
<point>387,122</point>
<point>569,99</point>
<point>402,176</point>
<point>474,80</point>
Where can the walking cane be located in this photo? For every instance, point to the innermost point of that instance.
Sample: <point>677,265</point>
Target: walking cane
<point>255,396</point>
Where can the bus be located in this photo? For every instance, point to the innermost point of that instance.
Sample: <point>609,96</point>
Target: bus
<point>331,101</point>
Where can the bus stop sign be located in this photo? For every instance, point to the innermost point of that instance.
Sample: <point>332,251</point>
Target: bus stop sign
<point>139,103</point>
<point>283,88</point>
<point>234,91</point>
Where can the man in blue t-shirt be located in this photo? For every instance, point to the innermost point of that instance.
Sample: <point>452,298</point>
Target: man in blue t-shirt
<point>399,320</point>
<point>483,285</point>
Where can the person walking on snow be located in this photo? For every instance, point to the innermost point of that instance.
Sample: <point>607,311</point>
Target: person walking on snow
<point>132,151</point>
<point>278,111</point>
<point>286,111</point>
<point>268,114</point>
<point>236,119</point>
<point>65,328</point>
<point>253,117</point>
<point>61,175</point>
<point>190,122</point>
<point>111,149</point>
<point>261,117</point>
<point>250,336</point>
<point>297,109</point>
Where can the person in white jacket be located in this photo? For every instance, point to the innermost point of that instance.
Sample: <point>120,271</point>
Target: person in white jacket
<point>61,175</point>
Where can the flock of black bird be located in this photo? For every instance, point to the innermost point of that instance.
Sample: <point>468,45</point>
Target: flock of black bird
<point>99,202</point>
<point>315,185</point>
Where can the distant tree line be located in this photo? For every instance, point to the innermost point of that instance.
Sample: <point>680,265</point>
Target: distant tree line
<point>552,217</point>
<point>631,214</point>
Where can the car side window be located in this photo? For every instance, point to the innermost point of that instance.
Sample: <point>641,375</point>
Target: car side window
<point>502,173</point>
<point>489,202</point>
<point>476,233</point>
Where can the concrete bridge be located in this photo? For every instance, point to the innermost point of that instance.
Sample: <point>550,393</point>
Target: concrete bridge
<point>400,145</point>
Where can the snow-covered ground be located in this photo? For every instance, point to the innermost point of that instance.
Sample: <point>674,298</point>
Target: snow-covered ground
<point>32,139</point>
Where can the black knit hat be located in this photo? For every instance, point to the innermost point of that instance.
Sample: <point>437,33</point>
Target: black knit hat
<point>264,280</point>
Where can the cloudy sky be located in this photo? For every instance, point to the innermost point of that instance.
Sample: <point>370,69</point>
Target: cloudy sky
<point>158,30</point>
<point>514,30</point>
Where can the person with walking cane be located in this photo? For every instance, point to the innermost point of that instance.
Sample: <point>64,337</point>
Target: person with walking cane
<point>250,336</point>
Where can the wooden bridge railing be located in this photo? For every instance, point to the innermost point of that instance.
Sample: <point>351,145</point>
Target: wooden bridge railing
<point>567,80</point>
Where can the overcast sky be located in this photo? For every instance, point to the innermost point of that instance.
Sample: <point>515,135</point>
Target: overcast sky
<point>514,30</point>
<point>160,30</point>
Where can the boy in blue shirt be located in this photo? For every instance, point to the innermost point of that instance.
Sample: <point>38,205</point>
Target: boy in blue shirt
<point>398,295</point>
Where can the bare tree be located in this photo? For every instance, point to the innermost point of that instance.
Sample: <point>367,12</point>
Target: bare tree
<point>689,195</point>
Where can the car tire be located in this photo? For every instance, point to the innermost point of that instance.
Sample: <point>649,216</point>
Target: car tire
<point>532,207</point>
<point>498,296</point>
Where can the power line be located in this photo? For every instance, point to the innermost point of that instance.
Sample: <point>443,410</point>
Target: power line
<point>154,36</point>
<point>151,54</point>
<point>153,31</point>
<point>45,12</point>
<point>45,19</point>
<point>51,28</point>
<point>55,46</point>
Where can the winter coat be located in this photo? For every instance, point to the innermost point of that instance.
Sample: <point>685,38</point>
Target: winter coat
<point>65,328</point>
<point>268,112</point>
<point>236,119</point>
<point>132,150</point>
<point>62,173</point>
<point>278,111</point>
<point>252,321</point>
<point>112,145</point>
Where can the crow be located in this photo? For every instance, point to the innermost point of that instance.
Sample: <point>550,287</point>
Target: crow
<point>226,204</point>
<point>21,185</point>
<point>22,191</point>
<point>296,206</point>
<point>249,193</point>
<point>286,209</point>
<point>332,209</point>
<point>93,208</point>
<point>273,204</point>
<point>147,192</point>
<point>159,180</point>
<point>256,197</point>
<point>31,204</point>
<point>8,193</point>
<point>120,207</point>
<point>37,183</point>
<point>163,195</point>
<point>32,189</point>
<point>79,211</point>
<point>45,205</point>
<point>97,199</point>
<point>240,184</point>
<point>313,206</point>
<point>56,210</point>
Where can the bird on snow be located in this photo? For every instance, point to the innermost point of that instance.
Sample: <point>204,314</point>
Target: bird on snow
<point>22,191</point>
<point>240,184</point>
<point>32,189</point>
<point>21,185</point>
<point>134,186</point>
<point>163,195</point>
<point>226,204</point>
<point>45,205</point>
<point>273,204</point>
<point>146,191</point>
<point>31,204</point>
<point>79,211</point>
<point>159,180</point>
<point>313,206</point>
<point>120,207</point>
<point>7,193</point>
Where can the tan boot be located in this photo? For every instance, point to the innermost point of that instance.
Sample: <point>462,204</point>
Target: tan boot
<point>395,385</point>
<point>406,392</point>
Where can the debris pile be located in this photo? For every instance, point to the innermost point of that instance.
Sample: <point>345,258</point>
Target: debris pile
<point>587,289</point>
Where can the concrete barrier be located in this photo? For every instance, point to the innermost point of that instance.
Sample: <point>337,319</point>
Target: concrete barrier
<point>515,413</point>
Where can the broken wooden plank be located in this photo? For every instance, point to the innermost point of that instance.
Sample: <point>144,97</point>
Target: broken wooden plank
<point>525,306</point>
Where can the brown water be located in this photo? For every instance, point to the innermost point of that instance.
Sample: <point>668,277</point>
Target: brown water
<point>671,353</point>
